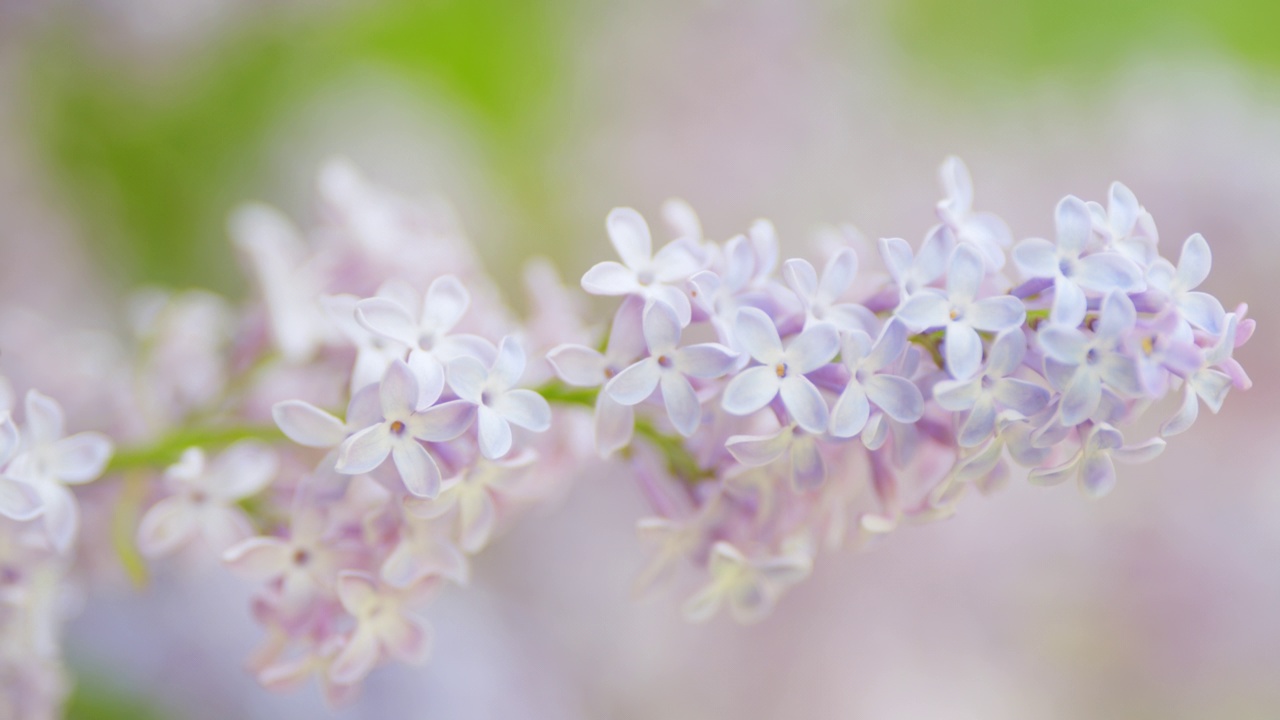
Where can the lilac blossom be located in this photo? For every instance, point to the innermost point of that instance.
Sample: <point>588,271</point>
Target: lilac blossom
<point>820,296</point>
<point>984,230</point>
<point>1092,465</point>
<point>384,626</point>
<point>1080,366</point>
<point>668,367</point>
<point>961,314</point>
<point>1179,284</point>
<point>749,586</point>
<point>871,385</point>
<point>499,404</point>
<point>656,277</point>
<point>984,395</point>
<point>782,371</point>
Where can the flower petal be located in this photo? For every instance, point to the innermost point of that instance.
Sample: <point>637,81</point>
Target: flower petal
<point>524,408</point>
<point>962,348</point>
<point>406,638</point>
<point>838,275</point>
<point>1006,353</point>
<point>398,394</point>
<point>259,558</point>
<point>1081,398</point>
<point>888,347</point>
<point>509,364</point>
<point>808,471</point>
<point>614,425</point>
<point>495,433</point>
<point>636,383</point>
<point>610,278</point>
<point>365,450</point>
<point>757,334</point>
<point>812,349</point>
<point>897,396</point>
<point>957,395</point>
<point>44,418</point>
<point>682,403</point>
<point>801,278</point>
<point>757,450</point>
<point>358,657</point>
<point>851,411</point>
<point>804,402</point>
<point>446,302</point>
<point>442,422</point>
<point>307,424</point>
<point>1025,397</point>
<point>467,378</point>
<point>18,500</point>
<point>630,236</point>
<point>661,329</point>
<point>705,360</point>
<point>81,457</point>
<point>1186,415</point>
<point>1202,310</point>
<point>242,470</point>
<point>750,390</point>
<point>926,309</point>
<point>389,319</point>
<point>1069,304</point>
<point>1074,226</point>
<point>964,274</point>
<point>996,314</point>
<point>979,425</point>
<point>578,365</point>
<point>1066,345</point>
<point>1194,263</point>
<point>165,526</point>
<point>1107,271</point>
<point>1097,476</point>
<point>418,470</point>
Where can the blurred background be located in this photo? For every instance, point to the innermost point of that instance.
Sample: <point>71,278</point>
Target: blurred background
<point>130,128</point>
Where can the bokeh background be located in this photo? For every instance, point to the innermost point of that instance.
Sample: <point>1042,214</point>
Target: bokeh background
<point>129,129</point>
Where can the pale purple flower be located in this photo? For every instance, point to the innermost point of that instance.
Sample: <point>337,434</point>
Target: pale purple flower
<point>478,495</point>
<point>204,499</point>
<point>1179,284</point>
<point>961,314</point>
<point>428,334</point>
<point>983,395</point>
<point>983,230</point>
<point>385,624</point>
<point>782,371</point>
<point>499,404</point>
<point>1080,366</point>
<point>669,366</point>
<point>401,426</point>
<point>1092,465</point>
<point>310,426</point>
<point>870,385</point>
<point>305,563</point>
<point>657,276</point>
<point>48,462</point>
<point>749,586</point>
<point>1072,271</point>
<point>913,271</point>
<point>424,550</point>
<point>18,500</point>
<point>806,468</point>
<point>1125,226</point>
<point>586,367</point>
<point>374,352</point>
<point>821,296</point>
<point>1206,383</point>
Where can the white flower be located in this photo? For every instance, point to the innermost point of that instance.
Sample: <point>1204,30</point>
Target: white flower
<point>982,395</point>
<point>807,468</point>
<point>478,495</point>
<point>961,314</point>
<point>912,272</point>
<point>428,335</point>
<point>1072,272</point>
<point>782,372</point>
<point>666,366</point>
<point>820,296</point>
<point>400,428</point>
<point>383,624</point>
<point>1179,283</point>
<point>750,586</point>
<point>1092,464</point>
<point>870,385</point>
<point>48,462</point>
<point>18,500</point>
<point>305,563</point>
<point>499,405</point>
<point>204,498</point>
<point>656,277</point>
<point>1079,366</point>
<point>984,230</point>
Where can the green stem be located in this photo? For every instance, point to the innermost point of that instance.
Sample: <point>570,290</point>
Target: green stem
<point>167,449</point>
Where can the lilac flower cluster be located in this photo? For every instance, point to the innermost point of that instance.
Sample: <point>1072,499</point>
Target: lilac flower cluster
<point>351,438</point>
<point>935,376</point>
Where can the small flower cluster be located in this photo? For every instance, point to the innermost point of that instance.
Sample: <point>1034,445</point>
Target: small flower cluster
<point>918,383</point>
<point>38,523</point>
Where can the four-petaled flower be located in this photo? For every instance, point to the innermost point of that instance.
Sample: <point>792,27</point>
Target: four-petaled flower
<point>384,624</point>
<point>782,371</point>
<point>750,586</point>
<point>656,277</point>
<point>982,395</point>
<point>870,385</point>
<point>499,404</point>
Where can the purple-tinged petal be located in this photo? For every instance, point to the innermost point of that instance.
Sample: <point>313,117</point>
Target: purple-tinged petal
<point>221,527</point>
<point>750,390</point>
<point>804,402</point>
<point>757,450</point>
<point>389,319</point>
<point>1118,316</point>
<point>897,396</point>
<point>838,275</point>
<point>418,470</point>
<point>979,425</point>
<point>398,395</point>
<point>674,263</point>
<point>964,274</point>
<point>259,558</point>
<point>705,360</point>
<point>926,309</point>
<point>1107,271</point>
<point>1066,345</point>
<point>1025,397</point>
<point>630,236</point>
<point>614,425</point>
<point>855,347</point>
<point>467,378</point>
<point>307,424</point>
<point>429,373</point>
<point>578,365</point>
<point>442,422</point>
<point>996,314</point>
<point>674,298</point>
<point>808,471</point>
<point>1122,210</point>
<point>636,383</point>
<point>812,349</point>
<point>957,395</point>
<point>9,437</point>
<point>1074,226</point>
<point>888,347</point>
<point>365,450</point>
<point>1194,263</point>
<point>1186,415</point>
<point>682,403</point>
<point>1055,475</point>
<point>446,302</point>
<point>81,458</point>
<point>44,418</point>
<point>1202,310</point>
<point>18,500</point>
<point>1069,304</point>
<point>524,408</point>
<point>962,348</point>
<point>1097,475</point>
<point>495,433</point>
<point>931,261</point>
<point>61,515</point>
<point>1081,398</point>
<point>509,364</point>
<point>165,526</point>
<point>851,411</point>
<point>897,257</point>
<point>801,278</point>
<point>661,329</point>
<point>626,333</point>
<point>757,334</point>
<point>1006,353</point>
<point>242,470</point>
<point>1120,373</point>
<point>610,278</point>
<point>957,184</point>
<point>1140,453</point>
